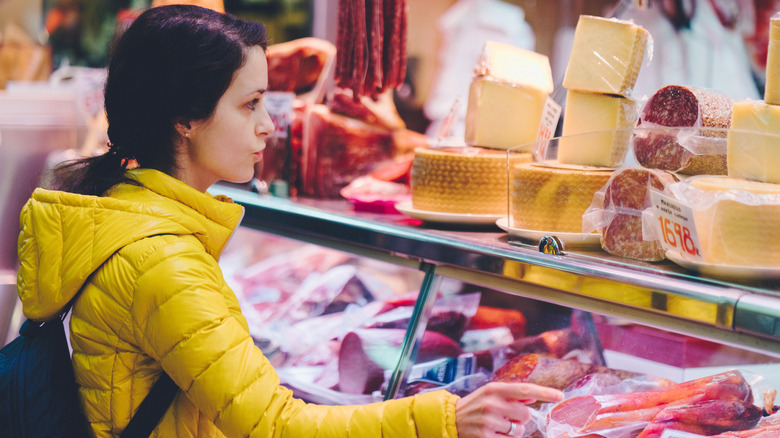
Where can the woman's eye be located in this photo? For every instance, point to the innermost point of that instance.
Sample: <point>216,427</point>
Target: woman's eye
<point>253,104</point>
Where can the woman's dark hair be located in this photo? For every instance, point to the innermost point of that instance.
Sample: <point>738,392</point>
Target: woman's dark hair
<point>171,65</point>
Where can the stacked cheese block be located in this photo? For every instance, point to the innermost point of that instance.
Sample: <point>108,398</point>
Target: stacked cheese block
<point>605,61</point>
<point>738,216</point>
<point>506,100</point>
<point>603,67</point>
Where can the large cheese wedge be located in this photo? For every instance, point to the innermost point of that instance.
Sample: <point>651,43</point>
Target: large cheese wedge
<point>753,144</point>
<point>507,96</point>
<point>772,85</point>
<point>463,180</point>
<point>516,66</point>
<point>501,116</point>
<point>605,118</point>
<point>552,197</point>
<point>739,223</point>
<point>606,55</point>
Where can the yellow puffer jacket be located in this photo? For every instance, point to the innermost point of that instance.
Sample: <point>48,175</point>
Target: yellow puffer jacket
<point>153,298</point>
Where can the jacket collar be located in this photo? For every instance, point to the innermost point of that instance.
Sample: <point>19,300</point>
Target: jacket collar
<point>65,237</point>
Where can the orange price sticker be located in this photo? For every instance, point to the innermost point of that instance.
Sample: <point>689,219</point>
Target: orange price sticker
<point>674,225</point>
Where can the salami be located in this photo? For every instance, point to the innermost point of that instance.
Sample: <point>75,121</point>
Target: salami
<point>371,46</point>
<point>360,54</point>
<point>626,196</point>
<point>699,152</point>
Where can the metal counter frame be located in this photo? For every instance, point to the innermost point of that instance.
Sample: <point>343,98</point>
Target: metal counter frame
<point>662,295</point>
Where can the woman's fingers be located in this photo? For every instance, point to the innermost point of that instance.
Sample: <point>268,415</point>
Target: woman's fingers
<point>492,409</point>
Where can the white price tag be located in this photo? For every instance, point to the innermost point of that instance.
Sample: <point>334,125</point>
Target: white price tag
<point>675,225</point>
<point>669,433</point>
<point>550,116</point>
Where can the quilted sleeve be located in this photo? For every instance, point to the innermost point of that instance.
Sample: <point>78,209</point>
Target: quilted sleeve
<point>182,319</point>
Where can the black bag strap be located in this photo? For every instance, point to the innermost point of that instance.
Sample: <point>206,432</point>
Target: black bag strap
<point>152,408</point>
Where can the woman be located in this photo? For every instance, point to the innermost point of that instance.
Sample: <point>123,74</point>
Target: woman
<point>184,100</point>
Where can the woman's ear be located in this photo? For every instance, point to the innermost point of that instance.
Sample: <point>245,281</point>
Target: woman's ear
<point>183,127</point>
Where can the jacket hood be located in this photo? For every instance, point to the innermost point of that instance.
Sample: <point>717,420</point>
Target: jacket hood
<point>65,237</point>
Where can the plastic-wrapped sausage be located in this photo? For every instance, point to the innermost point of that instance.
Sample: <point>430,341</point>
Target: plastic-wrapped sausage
<point>617,212</point>
<point>695,151</point>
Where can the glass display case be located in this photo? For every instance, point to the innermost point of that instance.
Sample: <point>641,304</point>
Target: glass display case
<point>650,318</point>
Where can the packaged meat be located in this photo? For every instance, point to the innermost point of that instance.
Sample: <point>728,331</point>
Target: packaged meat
<point>617,209</point>
<point>626,414</point>
<point>546,370</point>
<point>365,354</point>
<point>704,418</point>
<point>693,151</point>
<point>490,317</point>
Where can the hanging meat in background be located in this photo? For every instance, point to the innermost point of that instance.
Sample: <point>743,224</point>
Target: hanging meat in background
<point>371,46</point>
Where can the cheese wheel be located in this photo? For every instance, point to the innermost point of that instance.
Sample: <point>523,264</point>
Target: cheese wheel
<point>606,55</point>
<point>553,197</point>
<point>464,180</point>
<point>602,119</point>
<point>741,223</point>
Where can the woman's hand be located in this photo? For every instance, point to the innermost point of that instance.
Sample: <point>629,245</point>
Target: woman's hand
<point>499,409</point>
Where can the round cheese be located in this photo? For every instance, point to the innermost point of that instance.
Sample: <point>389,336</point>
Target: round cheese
<point>466,180</point>
<point>553,197</point>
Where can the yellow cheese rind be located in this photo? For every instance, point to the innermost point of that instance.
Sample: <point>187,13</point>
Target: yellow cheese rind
<point>513,65</point>
<point>753,143</point>
<point>606,56</point>
<point>462,180</point>
<point>553,198</point>
<point>605,118</point>
<point>741,227</point>
<point>501,116</point>
<point>772,84</point>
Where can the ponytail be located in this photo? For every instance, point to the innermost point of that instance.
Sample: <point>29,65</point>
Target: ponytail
<point>91,175</point>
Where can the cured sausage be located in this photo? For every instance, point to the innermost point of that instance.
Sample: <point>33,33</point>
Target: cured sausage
<point>703,152</point>
<point>371,46</point>
<point>626,196</point>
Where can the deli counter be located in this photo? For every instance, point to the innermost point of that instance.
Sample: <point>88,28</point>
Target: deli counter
<point>686,312</point>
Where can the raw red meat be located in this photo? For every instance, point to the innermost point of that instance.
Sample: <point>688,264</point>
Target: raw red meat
<point>366,353</point>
